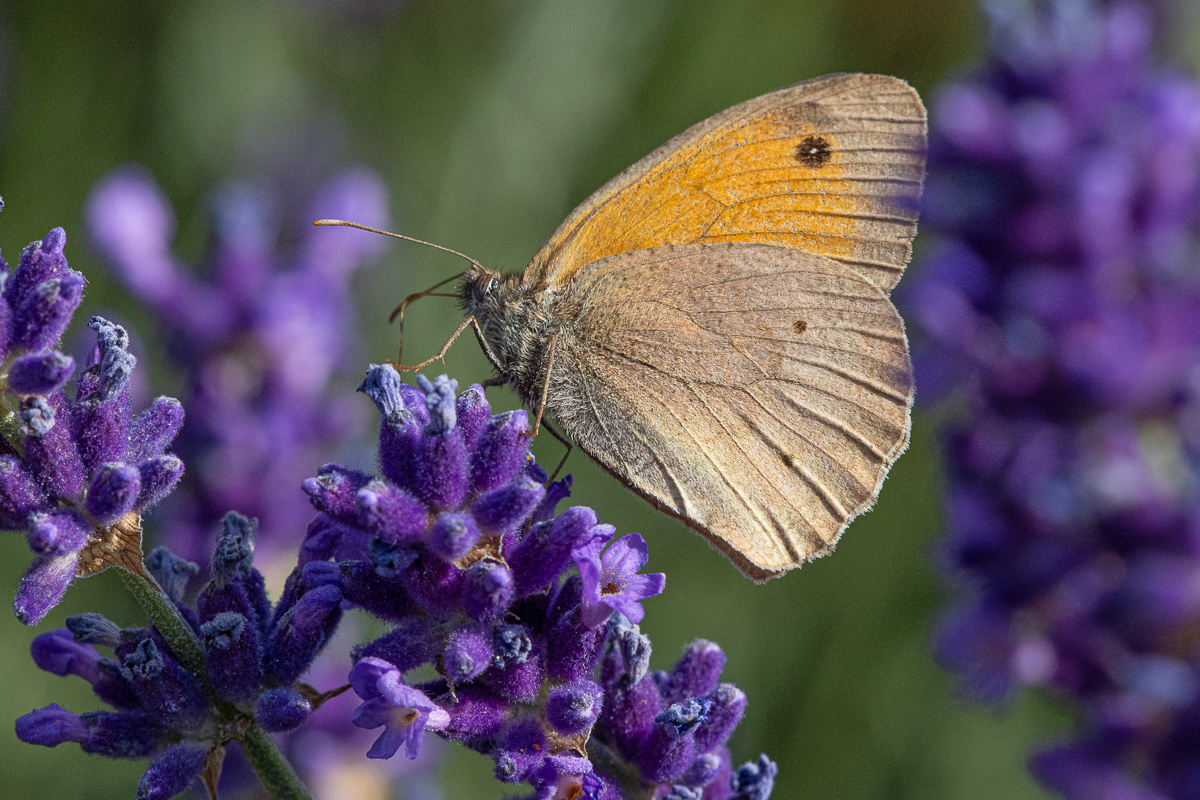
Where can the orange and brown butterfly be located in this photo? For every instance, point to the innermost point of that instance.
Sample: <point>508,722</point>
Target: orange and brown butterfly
<point>713,327</point>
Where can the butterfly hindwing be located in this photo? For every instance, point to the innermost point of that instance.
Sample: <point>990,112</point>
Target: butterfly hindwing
<point>759,393</point>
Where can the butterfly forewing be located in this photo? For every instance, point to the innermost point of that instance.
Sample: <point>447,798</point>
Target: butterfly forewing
<point>831,166</point>
<point>757,392</point>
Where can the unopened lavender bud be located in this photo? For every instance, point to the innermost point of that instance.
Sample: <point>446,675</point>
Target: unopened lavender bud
<point>390,513</point>
<point>113,492</point>
<point>703,770</point>
<point>334,491</point>
<point>57,533</point>
<point>94,629</point>
<point>503,509</point>
<point>452,535</point>
<point>40,373</point>
<point>19,493</point>
<point>302,633</point>
<point>440,469</point>
<point>502,451</point>
<point>573,709</point>
<point>487,590</point>
<point>172,771</point>
<point>158,477</point>
<point>546,549</point>
<point>58,653</point>
<point>40,319</point>
<point>51,726</point>
<point>472,413</point>
<point>154,429</point>
<point>468,653</point>
<point>171,572</point>
<point>280,710</point>
<point>697,672</point>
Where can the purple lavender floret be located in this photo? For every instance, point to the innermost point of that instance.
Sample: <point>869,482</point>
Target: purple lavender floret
<point>259,342</point>
<point>1059,302</point>
<point>75,473</point>
<point>460,547</point>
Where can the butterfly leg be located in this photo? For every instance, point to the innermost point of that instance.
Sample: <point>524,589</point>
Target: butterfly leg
<point>398,312</point>
<point>562,462</point>
<point>491,357</point>
<point>469,321</point>
<point>541,408</point>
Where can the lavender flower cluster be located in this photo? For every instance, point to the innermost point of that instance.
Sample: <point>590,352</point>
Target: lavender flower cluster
<point>75,474</point>
<point>528,616</point>
<point>181,718</point>
<point>1059,302</point>
<point>459,546</point>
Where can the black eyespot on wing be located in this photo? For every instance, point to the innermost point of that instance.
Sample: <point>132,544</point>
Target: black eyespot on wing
<point>813,151</point>
<point>799,326</point>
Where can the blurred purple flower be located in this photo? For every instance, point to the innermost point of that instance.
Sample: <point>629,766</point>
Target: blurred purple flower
<point>260,341</point>
<point>1058,300</point>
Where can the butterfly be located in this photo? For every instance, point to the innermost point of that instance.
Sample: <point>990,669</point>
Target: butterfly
<point>713,325</point>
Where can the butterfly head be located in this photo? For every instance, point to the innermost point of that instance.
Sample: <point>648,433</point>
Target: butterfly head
<point>506,310</point>
<point>478,286</point>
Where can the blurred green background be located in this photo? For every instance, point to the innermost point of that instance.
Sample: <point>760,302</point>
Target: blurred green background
<point>489,122</point>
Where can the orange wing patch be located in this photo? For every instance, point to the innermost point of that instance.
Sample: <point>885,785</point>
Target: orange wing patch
<point>832,166</point>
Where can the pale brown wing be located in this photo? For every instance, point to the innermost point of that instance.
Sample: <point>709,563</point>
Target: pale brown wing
<point>832,166</point>
<point>758,393</point>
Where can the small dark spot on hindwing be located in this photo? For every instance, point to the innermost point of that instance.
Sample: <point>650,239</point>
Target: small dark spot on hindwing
<point>813,151</point>
<point>799,326</point>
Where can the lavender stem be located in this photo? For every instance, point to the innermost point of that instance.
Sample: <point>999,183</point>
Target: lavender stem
<point>272,768</point>
<point>166,618</point>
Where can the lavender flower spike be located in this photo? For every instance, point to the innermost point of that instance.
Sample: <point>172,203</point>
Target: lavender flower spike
<point>460,546</point>
<point>77,487</point>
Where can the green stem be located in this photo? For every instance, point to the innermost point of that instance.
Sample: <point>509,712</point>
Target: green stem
<point>272,768</point>
<point>170,624</point>
<point>269,764</point>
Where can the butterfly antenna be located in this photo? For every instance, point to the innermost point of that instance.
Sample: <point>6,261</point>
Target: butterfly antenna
<point>398,312</point>
<point>347,224</point>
